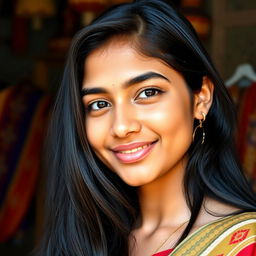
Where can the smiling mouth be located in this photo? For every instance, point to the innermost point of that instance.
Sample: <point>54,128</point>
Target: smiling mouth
<point>135,154</point>
<point>133,150</point>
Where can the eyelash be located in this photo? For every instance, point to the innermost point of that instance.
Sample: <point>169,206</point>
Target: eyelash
<point>156,91</point>
<point>90,106</point>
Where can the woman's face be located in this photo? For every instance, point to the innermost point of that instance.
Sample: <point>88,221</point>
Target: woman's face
<point>139,116</point>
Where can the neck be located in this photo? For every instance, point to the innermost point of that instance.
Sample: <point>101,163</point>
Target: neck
<point>163,202</point>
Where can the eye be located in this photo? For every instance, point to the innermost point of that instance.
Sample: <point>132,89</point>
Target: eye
<point>148,93</point>
<point>98,105</point>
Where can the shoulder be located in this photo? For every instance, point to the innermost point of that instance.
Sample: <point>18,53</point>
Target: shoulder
<point>229,227</point>
<point>232,235</point>
<point>246,219</point>
<point>240,218</point>
<point>243,224</point>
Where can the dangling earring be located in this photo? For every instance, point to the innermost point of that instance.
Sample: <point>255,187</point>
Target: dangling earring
<point>200,126</point>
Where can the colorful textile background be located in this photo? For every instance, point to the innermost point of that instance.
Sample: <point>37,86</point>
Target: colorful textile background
<point>23,119</point>
<point>245,98</point>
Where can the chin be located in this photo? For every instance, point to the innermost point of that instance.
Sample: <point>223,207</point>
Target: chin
<point>136,181</point>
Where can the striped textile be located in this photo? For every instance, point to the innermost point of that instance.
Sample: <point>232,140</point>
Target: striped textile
<point>229,236</point>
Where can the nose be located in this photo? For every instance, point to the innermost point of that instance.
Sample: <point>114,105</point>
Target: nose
<point>125,122</point>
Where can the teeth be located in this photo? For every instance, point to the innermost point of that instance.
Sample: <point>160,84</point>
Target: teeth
<point>133,150</point>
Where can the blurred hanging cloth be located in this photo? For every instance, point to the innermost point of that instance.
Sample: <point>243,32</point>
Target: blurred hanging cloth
<point>23,119</point>
<point>245,99</point>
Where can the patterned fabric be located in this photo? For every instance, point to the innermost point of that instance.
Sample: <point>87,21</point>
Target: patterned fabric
<point>229,236</point>
<point>245,99</point>
<point>247,133</point>
<point>23,117</point>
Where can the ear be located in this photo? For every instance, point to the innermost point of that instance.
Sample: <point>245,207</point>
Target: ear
<point>203,98</point>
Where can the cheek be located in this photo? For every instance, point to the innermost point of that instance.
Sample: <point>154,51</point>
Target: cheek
<point>173,122</point>
<point>171,116</point>
<point>96,132</point>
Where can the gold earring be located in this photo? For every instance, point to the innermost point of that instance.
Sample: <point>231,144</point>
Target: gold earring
<point>200,126</point>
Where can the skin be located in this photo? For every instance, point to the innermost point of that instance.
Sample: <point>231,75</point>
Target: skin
<point>121,114</point>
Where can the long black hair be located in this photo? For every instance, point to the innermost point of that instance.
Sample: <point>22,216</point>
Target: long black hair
<point>90,211</point>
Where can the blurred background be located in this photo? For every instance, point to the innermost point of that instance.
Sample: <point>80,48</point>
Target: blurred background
<point>34,40</point>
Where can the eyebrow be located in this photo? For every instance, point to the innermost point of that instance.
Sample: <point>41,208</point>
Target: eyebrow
<point>132,81</point>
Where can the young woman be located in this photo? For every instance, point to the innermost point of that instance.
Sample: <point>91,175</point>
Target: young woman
<point>141,147</point>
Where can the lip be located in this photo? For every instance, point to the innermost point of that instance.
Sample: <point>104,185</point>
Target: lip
<point>131,146</point>
<point>133,156</point>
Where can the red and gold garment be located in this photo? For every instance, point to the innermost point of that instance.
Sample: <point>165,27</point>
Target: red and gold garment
<point>229,236</point>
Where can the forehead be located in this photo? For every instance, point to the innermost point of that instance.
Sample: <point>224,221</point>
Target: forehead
<point>120,59</point>
<point>113,49</point>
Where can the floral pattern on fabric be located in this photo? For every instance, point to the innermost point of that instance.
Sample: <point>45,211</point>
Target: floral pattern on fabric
<point>239,236</point>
